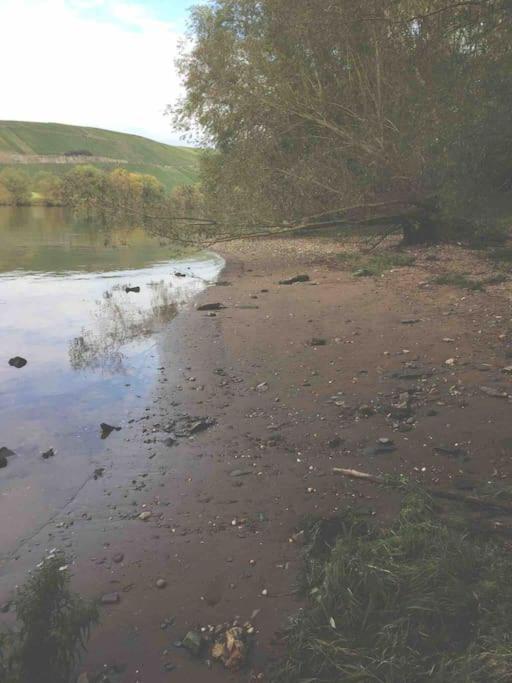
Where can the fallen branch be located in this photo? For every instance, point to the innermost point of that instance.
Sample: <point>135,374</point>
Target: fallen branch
<point>474,501</point>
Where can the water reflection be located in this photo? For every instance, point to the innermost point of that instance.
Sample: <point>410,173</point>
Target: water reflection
<point>116,322</point>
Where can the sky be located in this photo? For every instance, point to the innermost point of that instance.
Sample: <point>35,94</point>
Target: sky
<point>102,63</point>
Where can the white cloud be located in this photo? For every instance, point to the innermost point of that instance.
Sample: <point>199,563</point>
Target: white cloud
<point>100,63</point>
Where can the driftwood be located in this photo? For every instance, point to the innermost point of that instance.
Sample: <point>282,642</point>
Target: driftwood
<point>474,501</point>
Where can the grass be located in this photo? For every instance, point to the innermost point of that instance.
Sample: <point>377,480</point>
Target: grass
<point>53,626</point>
<point>423,600</point>
<point>364,265</point>
<point>170,164</point>
<point>465,282</point>
<point>501,255</point>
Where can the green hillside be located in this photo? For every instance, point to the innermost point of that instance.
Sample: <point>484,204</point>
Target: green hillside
<point>171,165</point>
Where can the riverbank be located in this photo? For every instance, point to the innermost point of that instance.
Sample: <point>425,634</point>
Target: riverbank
<point>294,380</point>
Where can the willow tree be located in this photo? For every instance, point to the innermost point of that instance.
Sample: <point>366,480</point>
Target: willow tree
<point>320,113</point>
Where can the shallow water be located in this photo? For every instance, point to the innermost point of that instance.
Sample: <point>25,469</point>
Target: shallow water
<point>91,347</point>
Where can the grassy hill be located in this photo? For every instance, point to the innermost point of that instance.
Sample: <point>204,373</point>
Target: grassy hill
<point>21,142</point>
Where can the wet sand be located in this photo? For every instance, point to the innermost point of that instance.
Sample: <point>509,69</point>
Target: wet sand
<point>225,503</point>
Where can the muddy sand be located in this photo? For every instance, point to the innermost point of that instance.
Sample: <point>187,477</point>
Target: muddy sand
<point>293,380</point>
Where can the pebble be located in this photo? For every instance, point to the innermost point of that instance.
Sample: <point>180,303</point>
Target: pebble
<point>161,583</point>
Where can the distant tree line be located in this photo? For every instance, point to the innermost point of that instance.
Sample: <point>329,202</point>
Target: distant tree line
<point>84,188</point>
<point>393,113</point>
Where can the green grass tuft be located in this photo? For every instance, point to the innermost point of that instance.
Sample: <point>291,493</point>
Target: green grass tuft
<point>371,265</point>
<point>53,626</point>
<point>420,601</point>
<point>459,280</point>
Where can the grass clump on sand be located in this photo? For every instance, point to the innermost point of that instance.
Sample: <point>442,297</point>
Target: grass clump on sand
<point>459,280</point>
<point>419,601</point>
<point>375,264</point>
<point>53,626</point>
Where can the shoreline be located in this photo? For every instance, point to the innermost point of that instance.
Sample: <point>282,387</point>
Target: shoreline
<point>225,503</point>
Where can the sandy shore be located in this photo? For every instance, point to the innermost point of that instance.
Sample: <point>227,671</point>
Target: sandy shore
<point>225,503</point>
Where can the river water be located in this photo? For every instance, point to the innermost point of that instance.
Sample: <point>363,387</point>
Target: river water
<point>92,348</point>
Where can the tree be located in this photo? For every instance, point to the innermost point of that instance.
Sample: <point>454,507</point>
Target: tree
<point>362,112</point>
<point>17,184</point>
<point>50,187</point>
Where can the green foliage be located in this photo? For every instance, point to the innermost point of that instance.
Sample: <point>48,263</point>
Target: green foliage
<point>419,601</point>
<point>316,109</point>
<point>375,264</point>
<point>17,185</point>
<point>49,187</point>
<point>459,280</point>
<point>54,625</point>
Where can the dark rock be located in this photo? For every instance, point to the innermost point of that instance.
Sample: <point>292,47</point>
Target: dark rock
<point>48,454</point>
<point>335,443</point>
<point>362,272</point>
<point>211,307</point>
<point>451,451</point>
<point>170,441</point>
<point>318,342</point>
<point>413,373</point>
<point>3,461</point>
<point>98,472</point>
<point>6,452</point>
<point>192,642</point>
<point>294,279</point>
<point>410,321</point>
<point>106,430</point>
<point>379,449</point>
<point>17,362</point>
<point>132,289</point>
<point>178,274</point>
<point>110,599</point>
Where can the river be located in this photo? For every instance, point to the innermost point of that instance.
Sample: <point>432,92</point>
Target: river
<point>92,348</point>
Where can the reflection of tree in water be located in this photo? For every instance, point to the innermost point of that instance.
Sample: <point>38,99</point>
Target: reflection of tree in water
<point>121,319</point>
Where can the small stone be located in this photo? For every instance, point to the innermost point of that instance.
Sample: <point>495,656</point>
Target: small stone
<point>294,279</point>
<point>192,642</point>
<point>48,454</point>
<point>448,340</point>
<point>110,599</point>
<point>211,307</point>
<point>161,583</point>
<point>410,321</point>
<point>507,370</point>
<point>240,473</point>
<point>6,452</point>
<point>107,429</point>
<point>317,341</point>
<point>118,558</point>
<point>3,461</point>
<point>264,593</point>
<point>144,516</point>
<point>450,361</point>
<point>496,393</point>
<point>17,362</point>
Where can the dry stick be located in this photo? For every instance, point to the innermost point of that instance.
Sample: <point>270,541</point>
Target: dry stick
<point>438,493</point>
